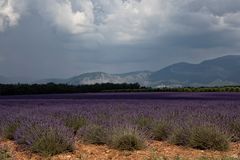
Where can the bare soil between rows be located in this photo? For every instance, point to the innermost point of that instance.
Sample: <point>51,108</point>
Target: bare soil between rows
<point>94,152</point>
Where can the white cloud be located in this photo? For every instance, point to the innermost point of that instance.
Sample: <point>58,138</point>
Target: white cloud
<point>8,16</point>
<point>134,20</point>
<point>60,13</point>
<point>119,21</point>
<point>112,20</point>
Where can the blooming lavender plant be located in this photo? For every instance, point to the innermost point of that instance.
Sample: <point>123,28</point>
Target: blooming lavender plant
<point>58,118</point>
<point>45,136</point>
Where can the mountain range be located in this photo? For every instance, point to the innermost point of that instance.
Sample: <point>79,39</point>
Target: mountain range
<point>215,72</point>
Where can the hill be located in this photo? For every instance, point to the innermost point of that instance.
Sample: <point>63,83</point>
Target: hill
<point>222,71</point>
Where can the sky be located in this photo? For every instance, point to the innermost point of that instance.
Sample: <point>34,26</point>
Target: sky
<point>64,38</point>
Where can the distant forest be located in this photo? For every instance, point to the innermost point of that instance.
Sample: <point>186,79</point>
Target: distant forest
<point>51,88</point>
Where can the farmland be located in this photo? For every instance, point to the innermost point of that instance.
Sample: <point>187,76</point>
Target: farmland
<point>123,124</point>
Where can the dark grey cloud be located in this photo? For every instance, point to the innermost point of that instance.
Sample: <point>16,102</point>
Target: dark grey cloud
<point>62,38</point>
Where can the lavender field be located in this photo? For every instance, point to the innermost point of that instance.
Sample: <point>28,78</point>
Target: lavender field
<point>51,124</point>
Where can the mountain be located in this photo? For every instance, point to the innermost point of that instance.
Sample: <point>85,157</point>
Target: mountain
<point>215,72</point>
<point>140,77</point>
<point>220,71</point>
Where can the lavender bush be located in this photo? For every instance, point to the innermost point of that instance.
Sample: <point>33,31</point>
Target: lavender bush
<point>205,137</point>
<point>161,130</point>
<point>74,122</point>
<point>44,136</point>
<point>37,120</point>
<point>9,128</point>
<point>181,136</point>
<point>93,134</point>
<point>127,138</point>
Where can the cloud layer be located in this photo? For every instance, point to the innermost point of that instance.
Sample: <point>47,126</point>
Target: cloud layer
<point>126,20</point>
<point>115,31</point>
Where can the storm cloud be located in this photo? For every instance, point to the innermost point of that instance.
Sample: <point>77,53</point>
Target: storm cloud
<point>62,38</point>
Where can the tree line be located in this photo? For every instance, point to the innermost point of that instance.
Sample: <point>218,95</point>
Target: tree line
<point>51,88</point>
<point>200,89</point>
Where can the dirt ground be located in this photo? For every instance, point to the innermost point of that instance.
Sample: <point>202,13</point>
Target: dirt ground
<point>93,152</point>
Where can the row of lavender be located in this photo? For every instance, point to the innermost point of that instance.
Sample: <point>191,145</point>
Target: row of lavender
<point>53,126</point>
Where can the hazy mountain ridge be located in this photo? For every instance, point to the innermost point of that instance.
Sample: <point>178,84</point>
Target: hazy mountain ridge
<point>220,71</point>
<point>216,72</point>
<point>101,77</point>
